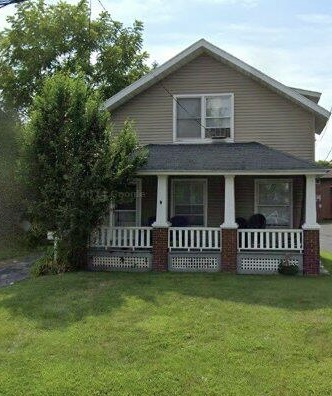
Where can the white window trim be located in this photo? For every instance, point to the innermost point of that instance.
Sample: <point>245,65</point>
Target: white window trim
<point>138,183</point>
<point>205,196</point>
<point>290,181</point>
<point>203,97</point>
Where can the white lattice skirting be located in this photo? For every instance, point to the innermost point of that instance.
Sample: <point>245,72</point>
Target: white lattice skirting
<point>194,263</point>
<point>258,263</point>
<point>120,263</point>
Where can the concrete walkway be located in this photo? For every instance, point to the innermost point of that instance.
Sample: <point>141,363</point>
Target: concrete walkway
<point>14,270</point>
<point>326,236</point>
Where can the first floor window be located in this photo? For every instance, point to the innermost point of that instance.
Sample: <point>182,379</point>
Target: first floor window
<point>126,213</point>
<point>273,199</point>
<point>189,200</point>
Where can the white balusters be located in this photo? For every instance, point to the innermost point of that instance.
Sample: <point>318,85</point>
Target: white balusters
<point>268,239</point>
<point>122,237</point>
<point>194,238</point>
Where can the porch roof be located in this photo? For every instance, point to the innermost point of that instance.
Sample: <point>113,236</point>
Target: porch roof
<point>238,158</point>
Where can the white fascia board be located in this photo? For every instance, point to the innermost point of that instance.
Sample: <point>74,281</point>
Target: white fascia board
<point>199,47</point>
<point>289,172</point>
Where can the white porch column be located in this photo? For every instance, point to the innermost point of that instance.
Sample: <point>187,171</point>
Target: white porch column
<point>229,214</point>
<point>162,202</point>
<point>310,222</point>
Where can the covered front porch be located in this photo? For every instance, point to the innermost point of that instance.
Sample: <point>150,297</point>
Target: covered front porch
<point>156,230</point>
<point>239,207</point>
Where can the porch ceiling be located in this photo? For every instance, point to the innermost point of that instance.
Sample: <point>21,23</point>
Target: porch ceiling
<point>223,158</point>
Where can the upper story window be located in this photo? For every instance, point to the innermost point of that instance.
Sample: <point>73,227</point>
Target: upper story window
<point>198,117</point>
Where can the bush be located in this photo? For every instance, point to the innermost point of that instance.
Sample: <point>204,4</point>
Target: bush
<point>47,266</point>
<point>72,188</point>
<point>34,237</point>
<point>286,267</point>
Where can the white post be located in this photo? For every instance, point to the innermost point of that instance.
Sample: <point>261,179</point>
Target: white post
<point>162,202</point>
<point>310,204</point>
<point>229,214</point>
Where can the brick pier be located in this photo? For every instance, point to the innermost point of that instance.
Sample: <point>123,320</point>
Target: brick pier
<point>160,249</point>
<point>311,258</point>
<point>229,249</point>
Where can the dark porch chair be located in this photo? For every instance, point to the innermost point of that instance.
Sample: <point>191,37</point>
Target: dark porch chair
<point>151,220</point>
<point>179,221</point>
<point>257,221</point>
<point>241,222</point>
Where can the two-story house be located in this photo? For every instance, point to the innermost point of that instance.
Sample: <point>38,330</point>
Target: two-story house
<point>230,180</point>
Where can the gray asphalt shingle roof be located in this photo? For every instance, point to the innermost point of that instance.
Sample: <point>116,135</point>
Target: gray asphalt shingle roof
<point>222,156</point>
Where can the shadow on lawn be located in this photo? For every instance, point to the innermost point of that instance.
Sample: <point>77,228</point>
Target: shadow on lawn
<point>59,301</point>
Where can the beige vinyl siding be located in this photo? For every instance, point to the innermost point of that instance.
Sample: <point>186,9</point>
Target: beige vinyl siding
<point>298,201</point>
<point>244,196</point>
<point>216,199</point>
<point>149,199</point>
<point>260,114</point>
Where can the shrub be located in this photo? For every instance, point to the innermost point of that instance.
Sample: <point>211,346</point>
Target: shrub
<point>72,164</point>
<point>46,265</point>
<point>286,267</point>
<point>34,237</point>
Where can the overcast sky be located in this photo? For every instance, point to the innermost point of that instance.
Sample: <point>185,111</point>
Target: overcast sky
<point>290,40</point>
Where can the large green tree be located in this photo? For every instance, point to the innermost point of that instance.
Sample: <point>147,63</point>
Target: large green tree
<point>72,163</point>
<point>11,192</point>
<point>45,38</point>
<point>324,164</point>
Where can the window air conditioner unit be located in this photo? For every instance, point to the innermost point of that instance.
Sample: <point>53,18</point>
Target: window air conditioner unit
<point>218,133</point>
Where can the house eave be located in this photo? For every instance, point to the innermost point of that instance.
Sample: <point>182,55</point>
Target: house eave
<point>276,172</point>
<point>307,92</point>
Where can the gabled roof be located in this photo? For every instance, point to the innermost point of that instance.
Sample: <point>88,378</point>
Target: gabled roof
<point>221,158</point>
<point>203,46</point>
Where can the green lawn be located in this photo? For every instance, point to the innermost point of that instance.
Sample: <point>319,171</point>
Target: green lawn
<point>326,258</point>
<point>166,334</point>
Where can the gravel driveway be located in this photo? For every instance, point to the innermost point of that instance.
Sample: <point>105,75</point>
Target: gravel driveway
<point>15,270</point>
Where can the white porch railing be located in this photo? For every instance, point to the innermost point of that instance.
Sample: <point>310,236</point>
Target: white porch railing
<point>122,237</point>
<point>194,238</point>
<point>267,239</point>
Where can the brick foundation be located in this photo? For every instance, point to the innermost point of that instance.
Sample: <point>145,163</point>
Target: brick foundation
<point>160,249</point>
<point>311,252</point>
<point>229,249</point>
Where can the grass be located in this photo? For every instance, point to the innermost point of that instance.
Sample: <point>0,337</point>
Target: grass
<point>166,334</point>
<point>326,258</point>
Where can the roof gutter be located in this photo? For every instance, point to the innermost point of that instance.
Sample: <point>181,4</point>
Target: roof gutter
<point>276,172</point>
